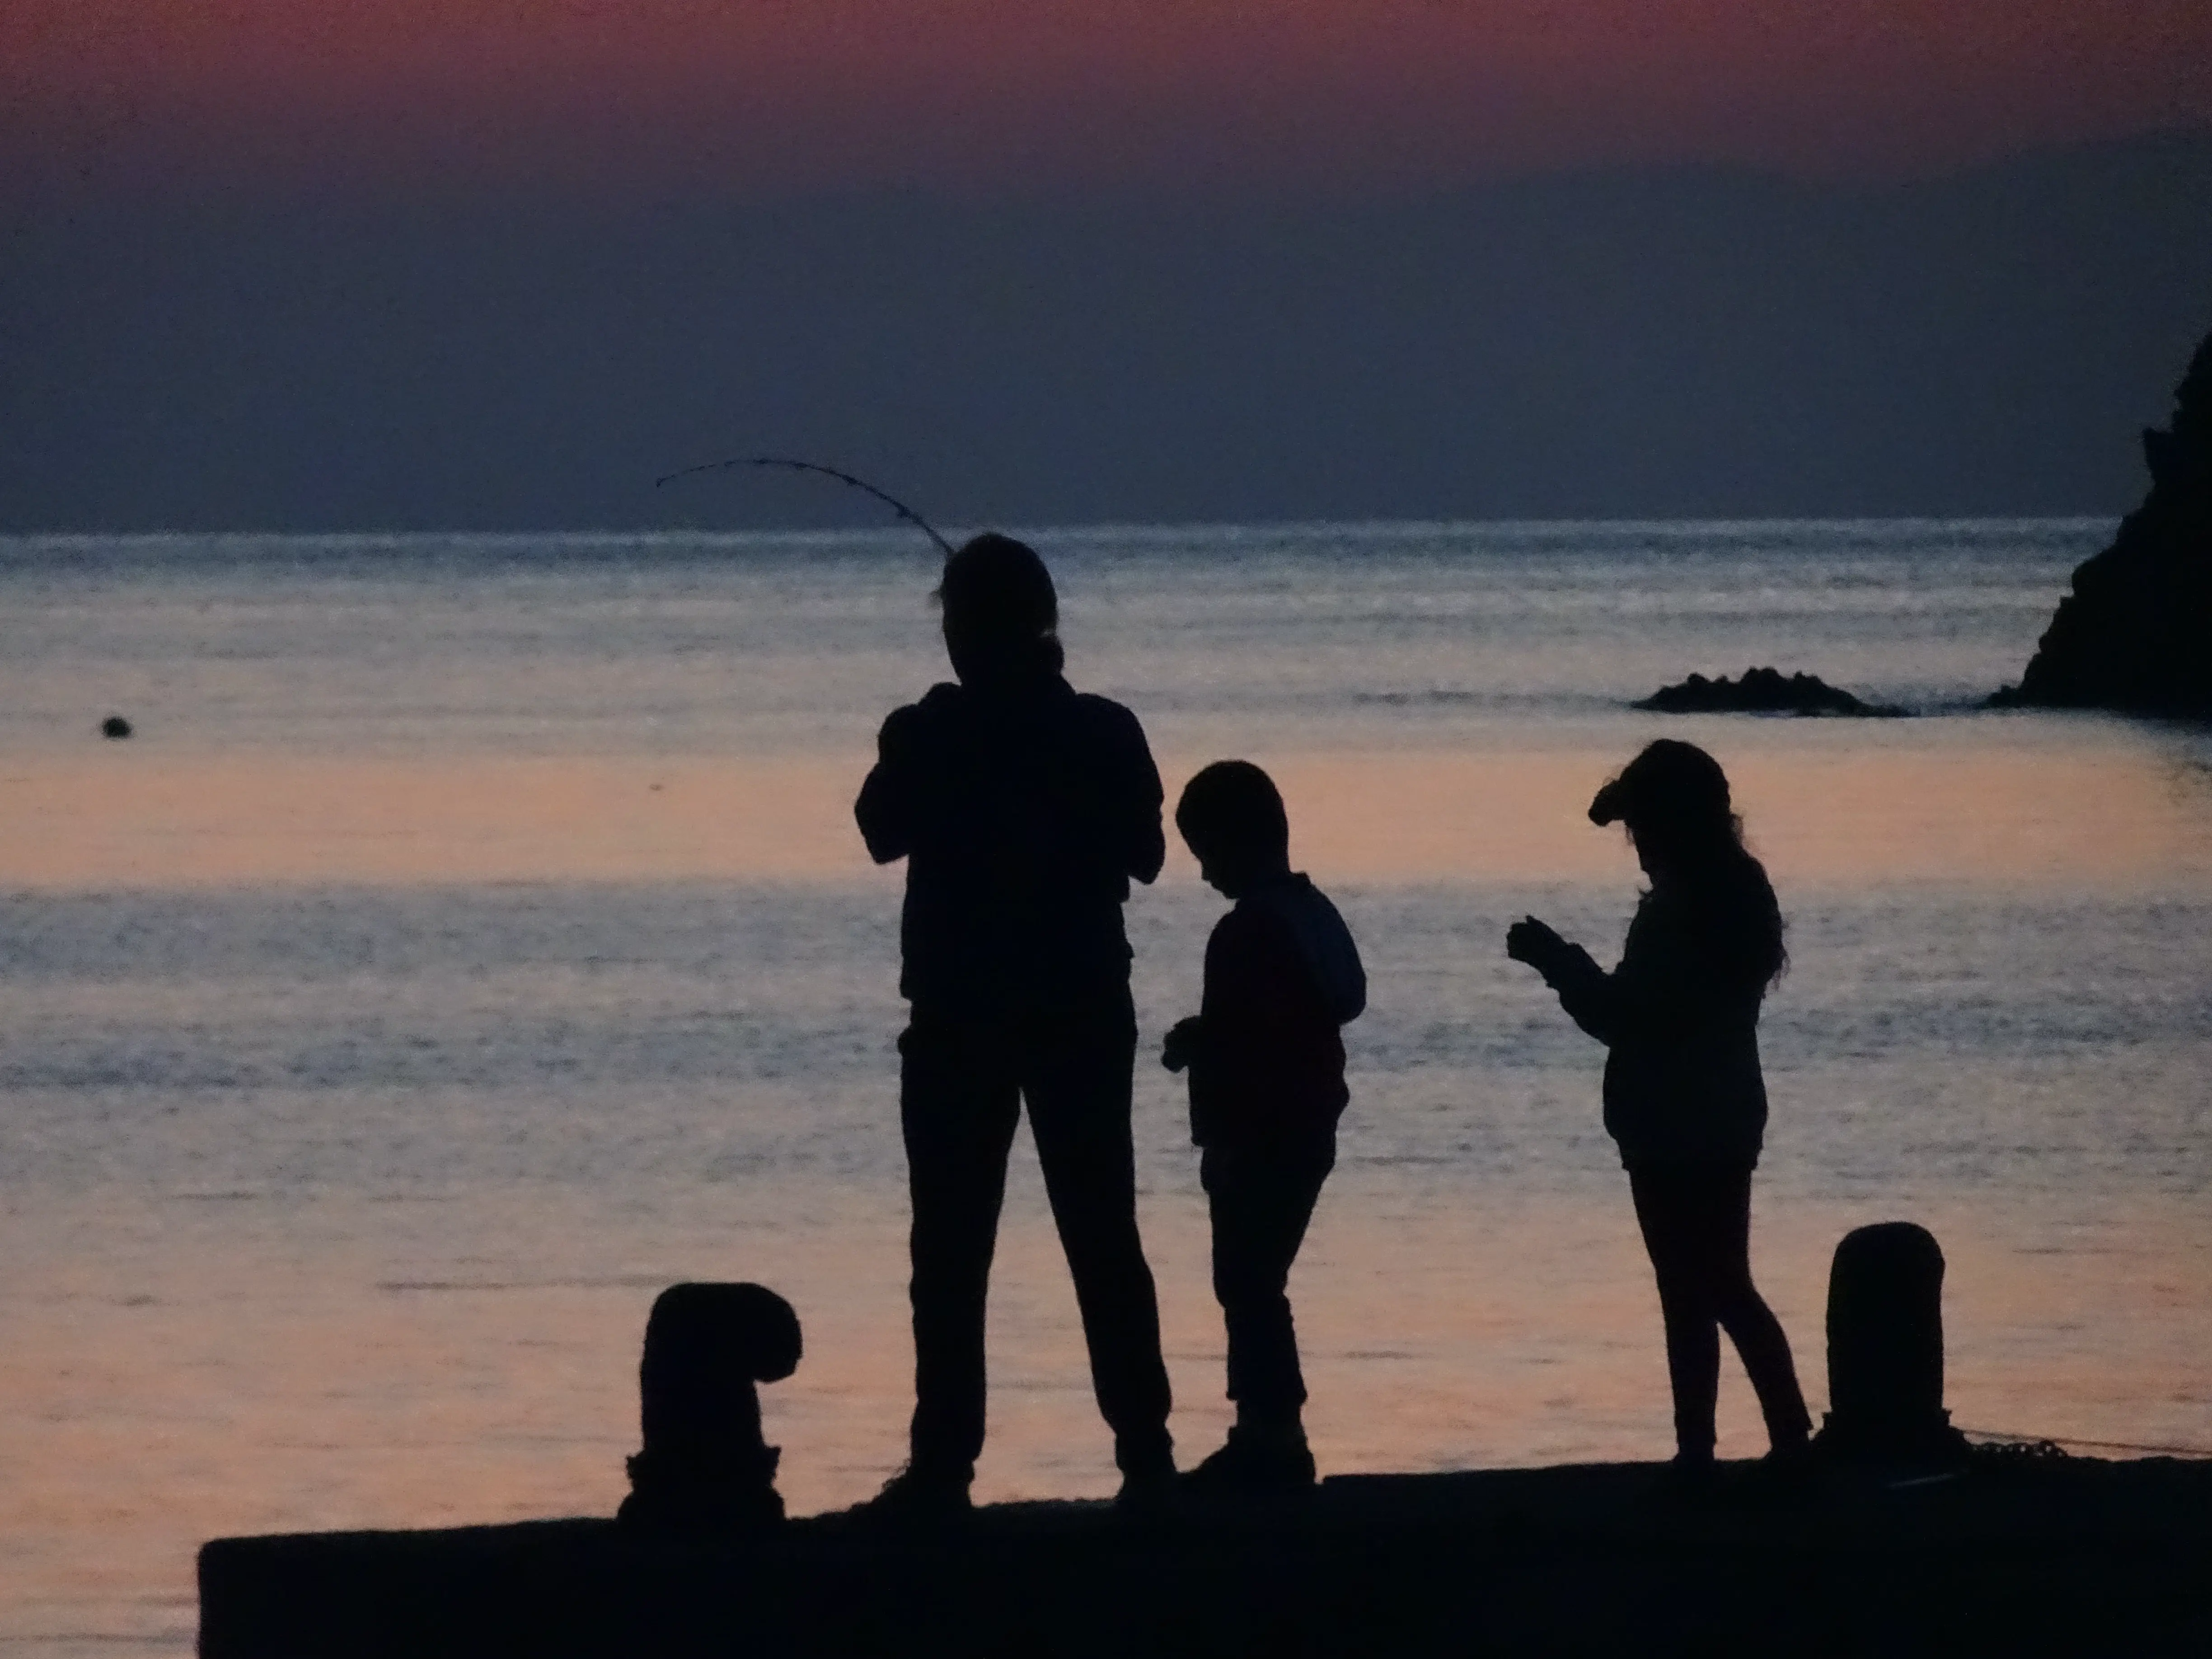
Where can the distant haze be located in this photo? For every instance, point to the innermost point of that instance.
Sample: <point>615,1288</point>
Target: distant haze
<point>403,264</point>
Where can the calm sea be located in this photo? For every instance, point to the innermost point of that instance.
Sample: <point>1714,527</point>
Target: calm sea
<point>473,938</point>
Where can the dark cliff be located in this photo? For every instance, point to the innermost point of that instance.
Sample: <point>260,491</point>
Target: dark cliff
<point>2135,633</point>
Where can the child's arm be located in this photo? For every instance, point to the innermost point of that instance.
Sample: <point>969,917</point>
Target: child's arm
<point>1185,1039</point>
<point>1587,992</point>
<point>1662,978</point>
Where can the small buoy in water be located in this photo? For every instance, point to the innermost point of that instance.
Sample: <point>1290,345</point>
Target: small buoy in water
<point>115,727</point>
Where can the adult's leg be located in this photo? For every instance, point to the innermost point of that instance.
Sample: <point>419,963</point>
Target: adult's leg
<point>1667,1205</point>
<point>1725,1219</point>
<point>1260,1204</point>
<point>1077,1069</point>
<point>958,1103</point>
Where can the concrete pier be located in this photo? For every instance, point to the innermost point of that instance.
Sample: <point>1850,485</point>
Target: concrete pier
<point>2014,1556</point>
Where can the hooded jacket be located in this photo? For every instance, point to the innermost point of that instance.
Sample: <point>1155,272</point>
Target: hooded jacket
<point>1680,1016</point>
<point>1283,976</point>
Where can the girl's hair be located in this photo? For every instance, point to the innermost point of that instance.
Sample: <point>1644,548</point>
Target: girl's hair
<point>1674,800</point>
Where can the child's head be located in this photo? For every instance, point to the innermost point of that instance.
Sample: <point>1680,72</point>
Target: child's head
<point>1673,798</point>
<point>1000,610</point>
<point>1233,820</point>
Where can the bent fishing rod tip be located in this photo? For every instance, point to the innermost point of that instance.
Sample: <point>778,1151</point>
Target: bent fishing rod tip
<point>793,465</point>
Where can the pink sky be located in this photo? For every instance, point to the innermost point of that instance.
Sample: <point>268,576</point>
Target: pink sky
<point>1024,95</point>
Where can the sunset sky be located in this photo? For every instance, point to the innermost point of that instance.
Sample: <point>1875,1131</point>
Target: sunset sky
<point>345,264</point>
<point>1023,96</point>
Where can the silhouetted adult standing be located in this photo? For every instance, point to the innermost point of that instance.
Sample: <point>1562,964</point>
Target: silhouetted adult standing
<point>1022,809</point>
<point>1684,1096</point>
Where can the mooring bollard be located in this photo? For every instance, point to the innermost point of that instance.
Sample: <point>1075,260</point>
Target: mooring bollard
<point>705,1466</point>
<point>1886,1349</point>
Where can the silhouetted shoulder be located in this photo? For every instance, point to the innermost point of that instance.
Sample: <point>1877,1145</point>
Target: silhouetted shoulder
<point>911,723</point>
<point>1109,712</point>
<point>892,803</point>
<point>941,699</point>
<point>1110,722</point>
<point>900,727</point>
<point>1315,931</point>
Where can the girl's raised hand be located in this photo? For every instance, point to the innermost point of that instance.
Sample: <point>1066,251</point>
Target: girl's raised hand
<point>1533,942</point>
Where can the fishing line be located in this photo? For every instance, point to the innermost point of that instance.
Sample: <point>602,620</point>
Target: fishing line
<point>2098,1445</point>
<point>841,477</point>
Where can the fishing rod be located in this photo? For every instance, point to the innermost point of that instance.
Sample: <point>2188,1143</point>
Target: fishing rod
<point>843,477</point>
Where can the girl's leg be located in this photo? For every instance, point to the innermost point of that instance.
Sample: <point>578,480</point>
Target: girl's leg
<point>1668,1203</point>
<point>1743,1313</point>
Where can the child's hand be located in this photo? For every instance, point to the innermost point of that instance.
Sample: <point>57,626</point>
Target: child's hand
<point>1531,941</point>
<point>1181,1045</point>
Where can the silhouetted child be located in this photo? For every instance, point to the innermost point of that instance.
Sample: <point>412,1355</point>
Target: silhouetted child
<point>1684,1096</point>
<point>1265,1056</point>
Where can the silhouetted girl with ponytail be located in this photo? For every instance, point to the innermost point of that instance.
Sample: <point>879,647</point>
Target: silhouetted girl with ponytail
<point>1684,1098</point>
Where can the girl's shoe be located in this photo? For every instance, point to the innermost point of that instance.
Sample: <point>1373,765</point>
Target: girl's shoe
<point>1689,1478</point>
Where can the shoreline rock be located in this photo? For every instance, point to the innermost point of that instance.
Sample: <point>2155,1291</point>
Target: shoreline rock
<point>2135,634</point>
<point>1763,691</point>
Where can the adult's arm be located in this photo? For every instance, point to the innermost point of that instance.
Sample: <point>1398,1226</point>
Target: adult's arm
<point>889,801</point>
<point>1142,842</point>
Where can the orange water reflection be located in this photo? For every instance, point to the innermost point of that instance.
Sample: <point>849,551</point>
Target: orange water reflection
<point>318,1368</point>
<point>173,1371</point>
<point>1820,813</point>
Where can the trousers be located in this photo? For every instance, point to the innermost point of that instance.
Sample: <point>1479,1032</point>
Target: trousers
<point>1260,1200</point>
<point>1696,1221</point>
<point>963,1078</point>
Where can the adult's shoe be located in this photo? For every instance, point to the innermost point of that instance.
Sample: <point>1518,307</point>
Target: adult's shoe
<point>919,1494</point>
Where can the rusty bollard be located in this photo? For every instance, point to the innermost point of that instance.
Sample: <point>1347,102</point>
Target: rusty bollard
<point>1886,1351</point>
<point>705,1466</point>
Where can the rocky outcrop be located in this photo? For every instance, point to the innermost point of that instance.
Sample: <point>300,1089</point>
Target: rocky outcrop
<point>1760,692</point>
<point>2135,633</point>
